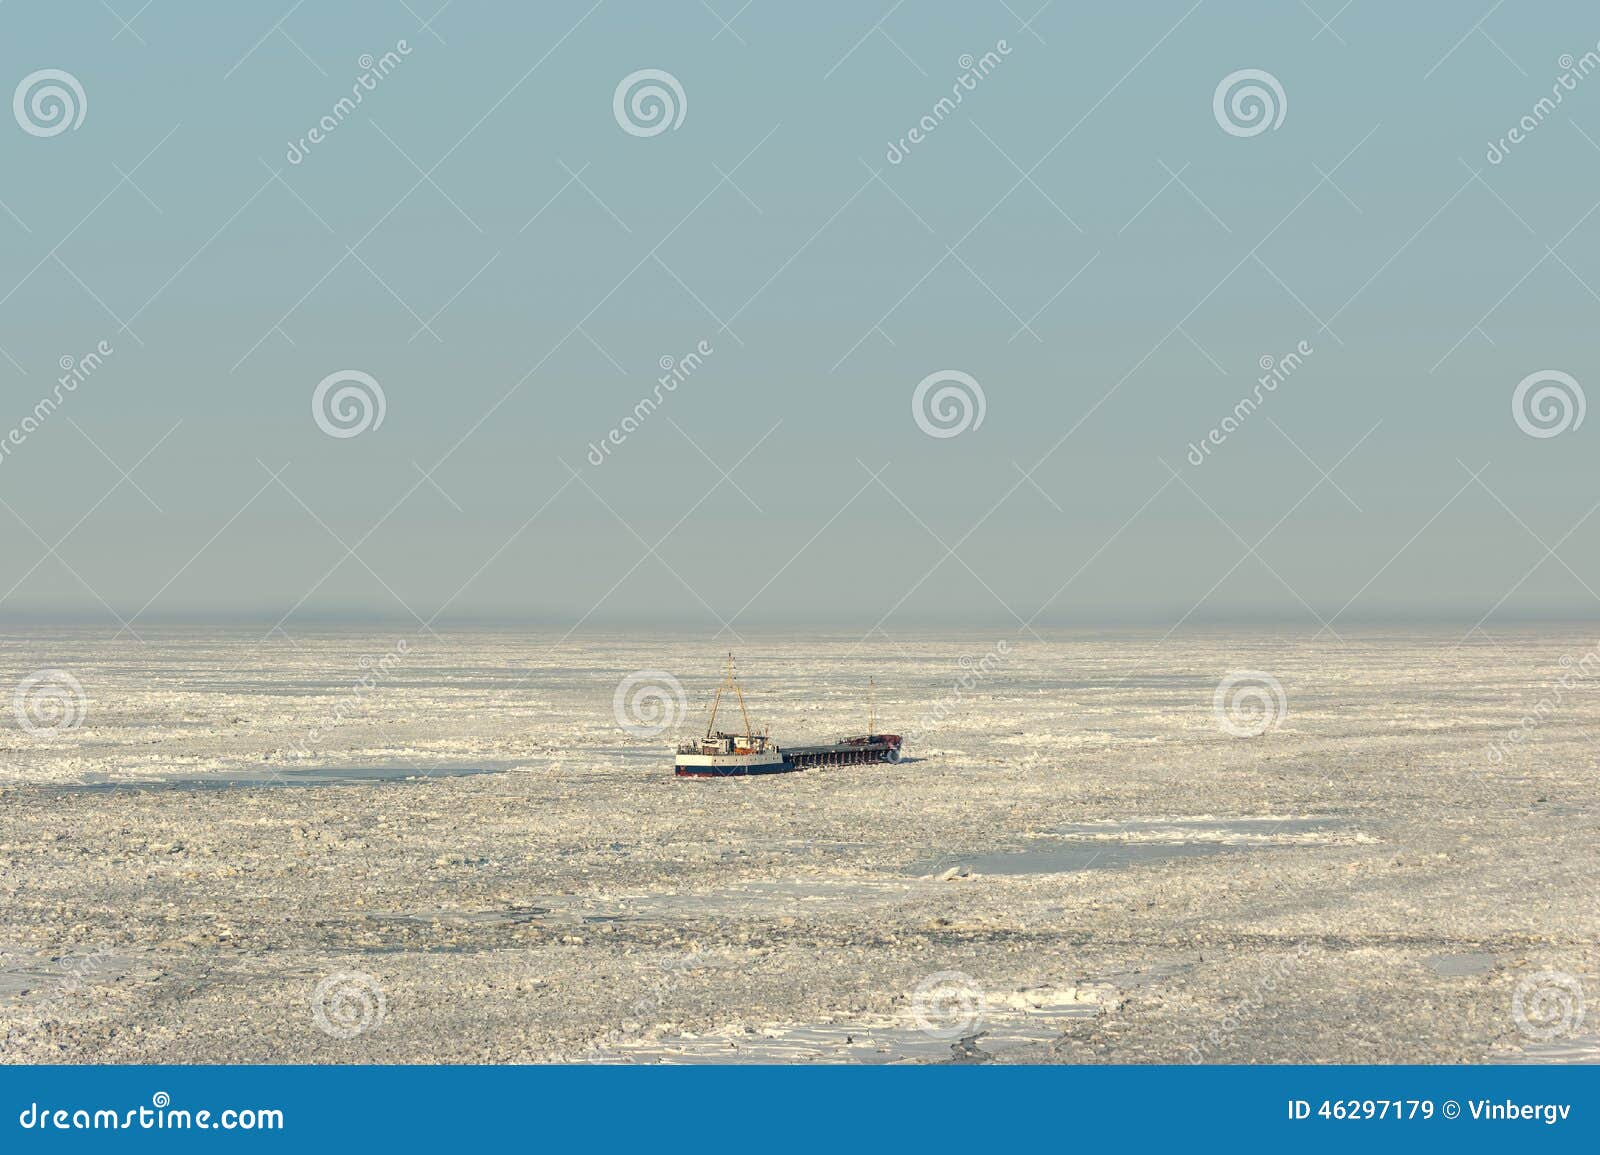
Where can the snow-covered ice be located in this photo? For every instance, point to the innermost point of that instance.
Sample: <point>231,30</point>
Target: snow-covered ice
<point>240,828</point>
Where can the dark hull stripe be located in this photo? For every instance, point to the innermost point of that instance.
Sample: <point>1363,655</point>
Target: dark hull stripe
<point>734,772</point>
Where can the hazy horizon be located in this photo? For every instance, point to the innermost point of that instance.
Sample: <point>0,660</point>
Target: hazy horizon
<point>1463,624</point>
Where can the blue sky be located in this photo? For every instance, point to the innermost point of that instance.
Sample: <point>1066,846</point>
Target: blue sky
<point>1080,236</point>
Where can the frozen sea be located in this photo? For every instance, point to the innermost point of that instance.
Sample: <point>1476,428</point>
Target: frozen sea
<point>369,845</point>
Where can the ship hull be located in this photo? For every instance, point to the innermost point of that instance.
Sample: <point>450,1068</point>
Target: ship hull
<point>847,752</point>
<point>731,765</point>
<point>873,748</point>
<point>783,767</point>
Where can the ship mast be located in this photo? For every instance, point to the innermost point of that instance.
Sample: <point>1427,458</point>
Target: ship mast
<point>717,697</point>
<point>729,683</point>
<point>872,706</point>
<point>749,733</point>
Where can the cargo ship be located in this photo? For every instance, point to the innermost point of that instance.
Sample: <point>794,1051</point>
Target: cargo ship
<point>719,754</point>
